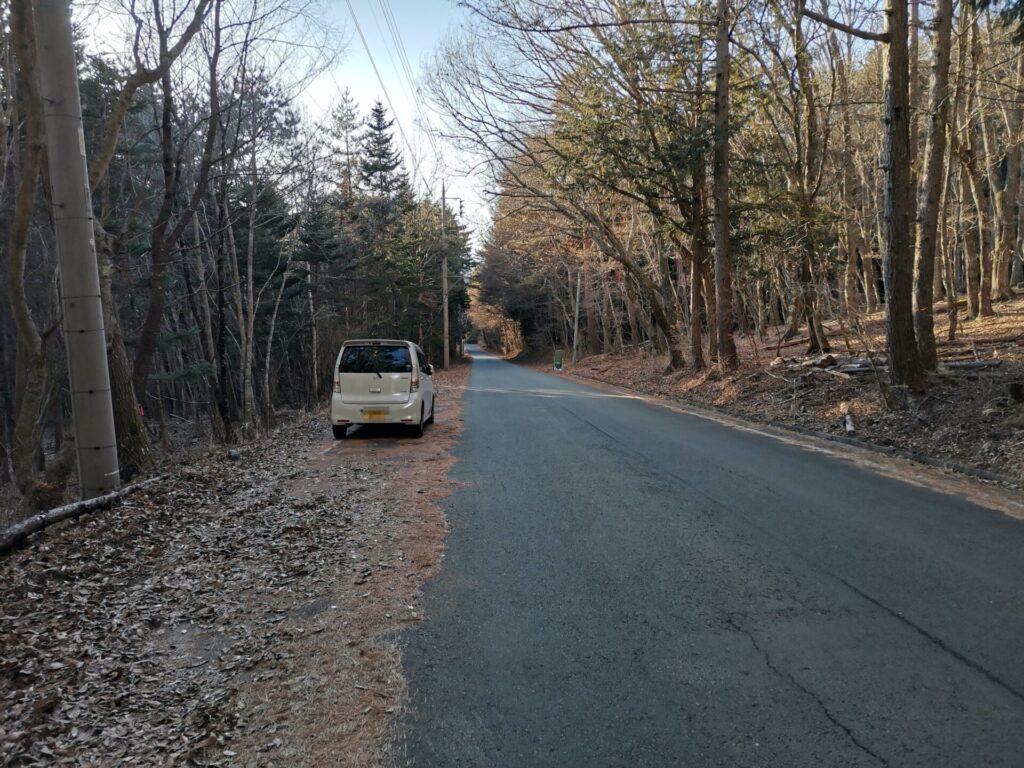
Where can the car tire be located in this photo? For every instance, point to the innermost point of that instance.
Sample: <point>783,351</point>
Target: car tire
<point>433,404</point>
<point>339,431</point>
<point>417,430</point>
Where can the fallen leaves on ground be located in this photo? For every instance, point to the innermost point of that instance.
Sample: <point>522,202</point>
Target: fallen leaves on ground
<point>232,613</point>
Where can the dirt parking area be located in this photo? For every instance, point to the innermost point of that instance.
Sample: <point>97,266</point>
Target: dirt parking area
<point>234,612</point>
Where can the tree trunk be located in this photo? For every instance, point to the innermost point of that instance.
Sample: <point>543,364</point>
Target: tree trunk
<point>696,273</point>
<point>1006,194</point>
<point>979,190</point>
<point>135,454</point>
<point>708,291</point>
<point>613,316</point>
<point>269,414</point>
<point>223,403</point>
<point>898,265</point>
<point>930,195</point>
<point>249,412</point>
<point>243,326</point>
<point>867,256</point>
<point>972,264</point>
<point>636,330</point>
<point>315,334</point>
<point>947,244</point>
<point>593,339</point>
<point>158,248</point>
<point>818,341</point>
<point>32,369</point>
<point>199,303</point>
<point>849,243</point>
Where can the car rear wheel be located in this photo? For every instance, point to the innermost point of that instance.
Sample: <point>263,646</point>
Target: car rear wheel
<point>433,404</point>
<point>339,431</point>
<point>417,430</point>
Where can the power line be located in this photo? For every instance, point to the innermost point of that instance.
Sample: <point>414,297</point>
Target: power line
<point>380,80</point>
<point>395,60</point>
<point>396,36</point>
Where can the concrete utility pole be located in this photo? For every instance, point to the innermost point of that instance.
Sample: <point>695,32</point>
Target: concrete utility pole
<point>444,276</point>
<point>576,319</point>
<point>91,405</point>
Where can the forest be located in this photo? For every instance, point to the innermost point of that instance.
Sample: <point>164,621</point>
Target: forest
<point>239,239</point>
<point>728,474</point>
<point>677,174</point>
<point>693,180</point>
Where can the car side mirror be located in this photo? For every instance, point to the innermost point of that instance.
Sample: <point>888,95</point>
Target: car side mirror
<point>428,369</point>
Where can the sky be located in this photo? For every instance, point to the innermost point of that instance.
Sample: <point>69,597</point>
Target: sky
<point>419,26</point>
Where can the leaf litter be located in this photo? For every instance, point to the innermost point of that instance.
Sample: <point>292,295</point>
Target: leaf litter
<point>237,612</point>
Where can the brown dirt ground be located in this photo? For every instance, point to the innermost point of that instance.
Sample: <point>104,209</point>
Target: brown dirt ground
<point>338,707</point>
<point>966,418</point>
<point>234,613</point>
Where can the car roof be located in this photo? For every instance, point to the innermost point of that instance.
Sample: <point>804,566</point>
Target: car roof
<point>380,342</point>
<point>374,342</point>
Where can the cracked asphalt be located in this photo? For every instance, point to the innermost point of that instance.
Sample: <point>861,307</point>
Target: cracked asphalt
<point>624,585</point>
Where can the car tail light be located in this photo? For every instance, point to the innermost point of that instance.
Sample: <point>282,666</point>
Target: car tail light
<point>337,383</point>
<point>414,383</point>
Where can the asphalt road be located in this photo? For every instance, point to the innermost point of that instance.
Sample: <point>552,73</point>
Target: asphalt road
<point>629,586</point>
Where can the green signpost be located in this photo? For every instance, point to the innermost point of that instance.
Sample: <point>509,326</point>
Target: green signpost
<point>559,359</point>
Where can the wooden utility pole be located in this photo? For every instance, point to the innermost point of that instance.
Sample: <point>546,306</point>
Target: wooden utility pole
<point>444,276</point>
<point>723,244</point>
<point>91,405</point>
<point>576,320</point>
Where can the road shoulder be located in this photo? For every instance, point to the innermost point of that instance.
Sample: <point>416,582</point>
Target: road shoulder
<point>236,612</point>
<point>985,489</point>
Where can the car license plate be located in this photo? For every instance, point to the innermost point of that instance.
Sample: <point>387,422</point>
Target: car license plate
<point>375,414</point>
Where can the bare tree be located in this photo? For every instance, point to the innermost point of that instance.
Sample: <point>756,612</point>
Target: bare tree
<point>932,186</point>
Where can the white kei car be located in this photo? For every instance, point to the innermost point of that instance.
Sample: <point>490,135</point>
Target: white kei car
<point>382,381</point>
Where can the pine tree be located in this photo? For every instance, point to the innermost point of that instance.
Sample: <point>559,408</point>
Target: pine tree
<point>319,240</point>
<point>343,132</point>
<point>380,173</point>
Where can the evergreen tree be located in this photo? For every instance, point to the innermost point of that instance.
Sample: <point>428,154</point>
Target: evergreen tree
<point>380,166</point>
<point>320,242</point>
<point>345,143</point>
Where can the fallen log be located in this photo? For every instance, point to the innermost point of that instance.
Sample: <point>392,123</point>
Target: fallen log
<point>819,361</point>
<point>791,343</point>
<point>832,372</point>
<point>18,532</point>
<point>856,369</point>
<point>1005,339</point>
<point>971,365</point>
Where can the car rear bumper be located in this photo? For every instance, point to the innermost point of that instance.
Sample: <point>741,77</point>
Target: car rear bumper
<point>397,413</point>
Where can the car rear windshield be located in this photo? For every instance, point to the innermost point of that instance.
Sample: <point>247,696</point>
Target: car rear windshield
<point>375,360</point>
